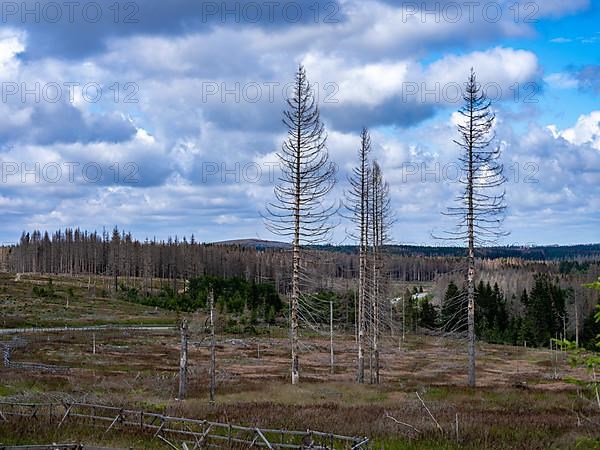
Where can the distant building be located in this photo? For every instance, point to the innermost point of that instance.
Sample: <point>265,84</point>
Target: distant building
<point>417,296</point>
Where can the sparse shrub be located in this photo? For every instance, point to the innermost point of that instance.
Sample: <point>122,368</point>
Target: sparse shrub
<point>44,292</point>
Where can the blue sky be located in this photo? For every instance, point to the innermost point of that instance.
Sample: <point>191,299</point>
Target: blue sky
<point>164,118</point>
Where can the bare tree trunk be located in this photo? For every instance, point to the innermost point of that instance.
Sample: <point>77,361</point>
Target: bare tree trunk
<point>380,222</point>
<point>183,360</point>
<point>471,263</point>
<point>576,322</point>
<point>213,358</point>
<point>331,336</point>
<point>368,297</point>
<point>296,272</point>
<point>482,206</point>
<point>360,194</point>
<point>356,321</point>
<point>372,282</point>
<point>376,273</point>
<point>471,316</point>
<point>403,319</point>
<point>360,377</point>
<point>376,333</point>
<point>374,300</point>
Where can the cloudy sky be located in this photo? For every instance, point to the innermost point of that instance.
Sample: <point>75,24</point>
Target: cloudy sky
<point>164,117</point>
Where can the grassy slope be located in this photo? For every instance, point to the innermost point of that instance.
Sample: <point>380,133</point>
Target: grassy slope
<point>20,308</point>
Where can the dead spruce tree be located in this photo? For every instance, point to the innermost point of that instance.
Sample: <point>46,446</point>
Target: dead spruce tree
<point>368,206</point>
<point>481,205</point>
<point>356,202</point>
<point>381,220</point>
<point>307,176</point>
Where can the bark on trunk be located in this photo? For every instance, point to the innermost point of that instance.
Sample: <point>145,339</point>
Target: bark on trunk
<point>471,269</point>
<point>296,263</point>
<point>183,360</point>
<point>213,356</point>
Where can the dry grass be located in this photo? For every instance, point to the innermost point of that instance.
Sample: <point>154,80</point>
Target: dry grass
<point>518,403</point>
<point>20,308</point>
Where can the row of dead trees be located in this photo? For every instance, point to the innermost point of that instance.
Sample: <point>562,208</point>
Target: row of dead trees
<point>368,205</point>
<point>302,212</point>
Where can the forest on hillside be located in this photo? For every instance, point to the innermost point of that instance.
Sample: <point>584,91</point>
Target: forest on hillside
<point>132,265</point>
<point>583,252</point>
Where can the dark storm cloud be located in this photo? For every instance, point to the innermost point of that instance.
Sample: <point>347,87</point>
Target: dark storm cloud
<point>80,29</point>
<point>67,125</point>
<point>391,112</point>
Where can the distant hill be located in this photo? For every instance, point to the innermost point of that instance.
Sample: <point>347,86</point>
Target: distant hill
<point>258,244</point>
<point>541,253</point>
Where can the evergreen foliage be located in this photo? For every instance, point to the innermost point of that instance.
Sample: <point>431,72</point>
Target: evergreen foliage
<point>232,295</point>
<point>544,308</point>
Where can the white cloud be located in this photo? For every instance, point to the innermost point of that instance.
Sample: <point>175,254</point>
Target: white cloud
<point>371,56</point>
<point>440,82</point>
<point>12,43</point>
<point>585,131</point>
<point>368,84</point>
<point>561,80</point>
<point>561,40</point>
<point>499,65</point>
